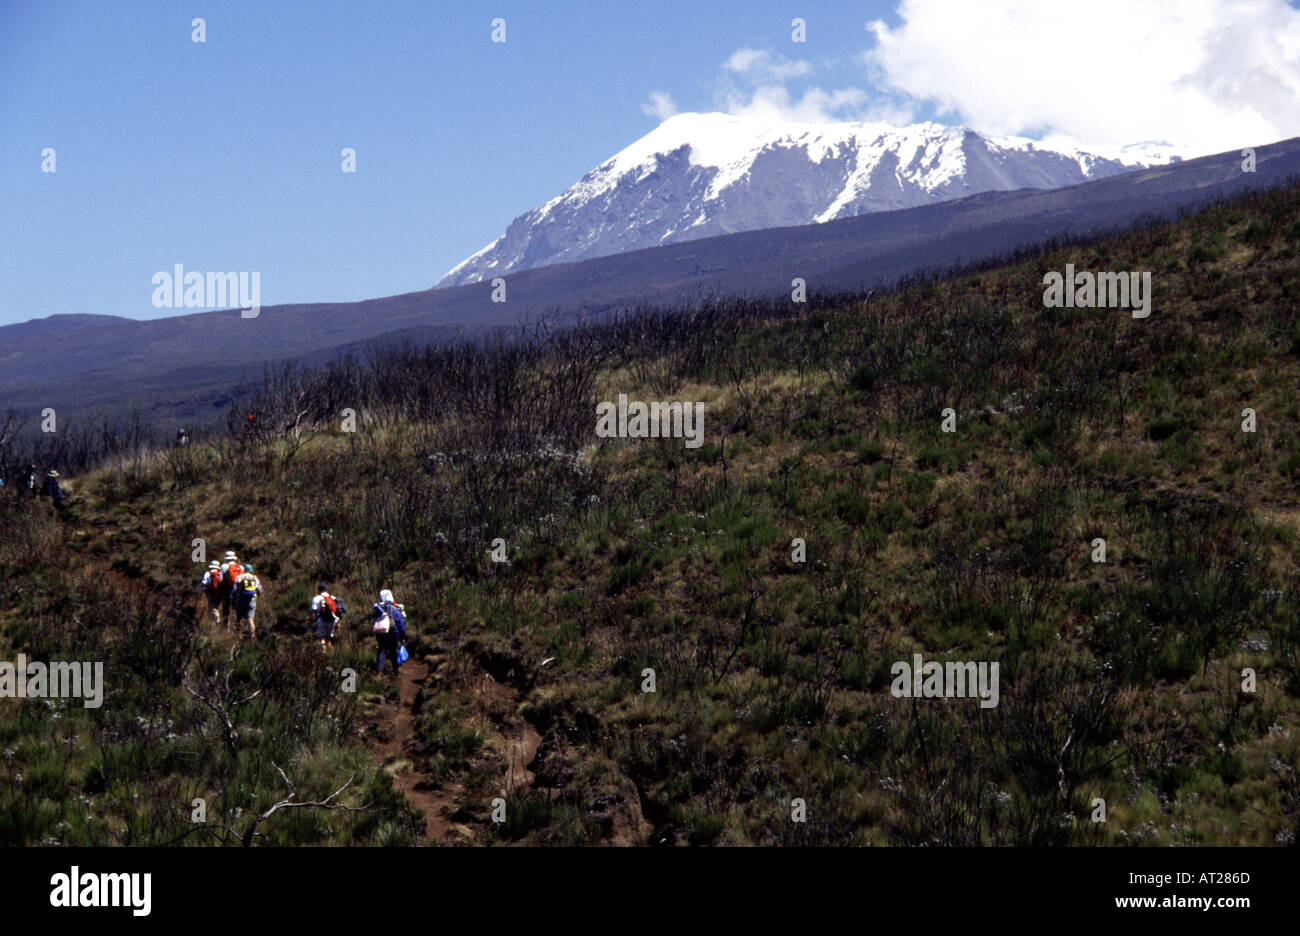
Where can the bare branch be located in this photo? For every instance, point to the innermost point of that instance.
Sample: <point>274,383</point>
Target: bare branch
<point>291,803</point>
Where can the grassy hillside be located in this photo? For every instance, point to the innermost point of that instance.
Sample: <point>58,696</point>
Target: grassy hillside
<point>1120,680</point>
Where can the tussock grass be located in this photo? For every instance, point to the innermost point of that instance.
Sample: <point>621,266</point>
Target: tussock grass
<point>772,677</point>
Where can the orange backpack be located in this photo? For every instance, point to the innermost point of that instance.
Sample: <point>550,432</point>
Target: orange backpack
<point>233,571</point>
<point>331,604</point>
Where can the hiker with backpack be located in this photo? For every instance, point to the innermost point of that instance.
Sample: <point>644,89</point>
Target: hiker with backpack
<point>230,570</point>
<point>326,611</point>
<point>211,585</point>
<point>29,481</point>
<point>245,592</point>
<point>389,629</point>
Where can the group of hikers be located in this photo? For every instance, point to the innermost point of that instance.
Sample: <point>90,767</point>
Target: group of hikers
<point>231,590</point>
<point>388,625</point>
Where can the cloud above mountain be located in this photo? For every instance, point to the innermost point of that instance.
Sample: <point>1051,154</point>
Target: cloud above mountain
<point>775,103</point>
<point>1214,75</point>
<point>763,64</point>
<point>660,105</point>
<point>1208,76</point>
<point>758,83</point>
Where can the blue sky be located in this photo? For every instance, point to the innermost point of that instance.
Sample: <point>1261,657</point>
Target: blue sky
<point>226,155</point>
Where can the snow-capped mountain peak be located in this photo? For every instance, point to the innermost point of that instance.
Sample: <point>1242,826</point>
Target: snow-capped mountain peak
<point>698,175</point>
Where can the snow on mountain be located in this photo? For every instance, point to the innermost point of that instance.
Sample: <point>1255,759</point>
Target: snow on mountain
<point>699,175</point>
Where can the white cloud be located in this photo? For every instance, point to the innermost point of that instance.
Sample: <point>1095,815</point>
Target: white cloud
<point>1211,75</point>
<point>815,105</point>
<point>762,65</point>
<point>755,83</point>
<point>742,60</point>
<point>660,105</point>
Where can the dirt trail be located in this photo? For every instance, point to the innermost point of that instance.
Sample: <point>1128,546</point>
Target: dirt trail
<point>393,729</point>
<point>394,740</point>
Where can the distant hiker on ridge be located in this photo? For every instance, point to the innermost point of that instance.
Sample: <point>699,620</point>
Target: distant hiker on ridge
<point>52,490</point>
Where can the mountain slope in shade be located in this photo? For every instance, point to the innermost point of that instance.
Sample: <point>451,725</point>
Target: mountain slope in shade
<point>701,175</point>
<point>172,369</point>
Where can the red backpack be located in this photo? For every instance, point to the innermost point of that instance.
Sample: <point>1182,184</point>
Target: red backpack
<point>331,604</point>
<point>233,571</point>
